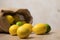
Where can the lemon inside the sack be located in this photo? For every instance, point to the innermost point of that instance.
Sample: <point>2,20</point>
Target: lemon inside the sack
<point>13,30</point>
<point>10,19</point>
<point>39,29</point>
<point>48,28</point>
<point>23,32</point>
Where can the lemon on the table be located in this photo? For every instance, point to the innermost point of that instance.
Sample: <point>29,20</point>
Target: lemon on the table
<point>13,30</point>
<point>23,32</point>
<point>19,23</point>
<point>29,26</point>
<point>39,28</point>
<point>48,28</point>
<point>10,19</point>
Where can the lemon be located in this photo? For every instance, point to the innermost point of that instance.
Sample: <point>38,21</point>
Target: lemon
<point>48,28</point>
<point>39,28</point>
<point>19,23</point>
<point>23,32</point>
<point>10,19</point>
<point>13,30</point>
<point>29,26</point>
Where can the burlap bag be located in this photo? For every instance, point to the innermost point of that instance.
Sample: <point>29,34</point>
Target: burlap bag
<point>4,25</point>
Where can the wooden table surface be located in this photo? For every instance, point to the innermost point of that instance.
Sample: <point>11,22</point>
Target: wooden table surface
<point>53,35</point>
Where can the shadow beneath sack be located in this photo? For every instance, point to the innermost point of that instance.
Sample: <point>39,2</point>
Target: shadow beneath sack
<point>3,33</point>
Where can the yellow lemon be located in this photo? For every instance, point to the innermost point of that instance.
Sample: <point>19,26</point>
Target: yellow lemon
<point>10,19</point>
<point>39,28</point>
<point>29,26</point>
<point>13,30</point>
<point>23,32</point>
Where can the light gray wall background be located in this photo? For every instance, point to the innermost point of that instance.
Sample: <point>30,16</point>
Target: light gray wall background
<point>43,11</point>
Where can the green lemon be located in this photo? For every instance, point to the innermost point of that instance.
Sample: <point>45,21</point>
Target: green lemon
<point>48,28</point>
<point>19,23</point>
<point>13,30</point>
<point>39,28</point>
<point>23,32</point>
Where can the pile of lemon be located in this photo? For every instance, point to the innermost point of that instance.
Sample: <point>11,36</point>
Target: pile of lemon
<point>23,30</point>
<point>26,29</point>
